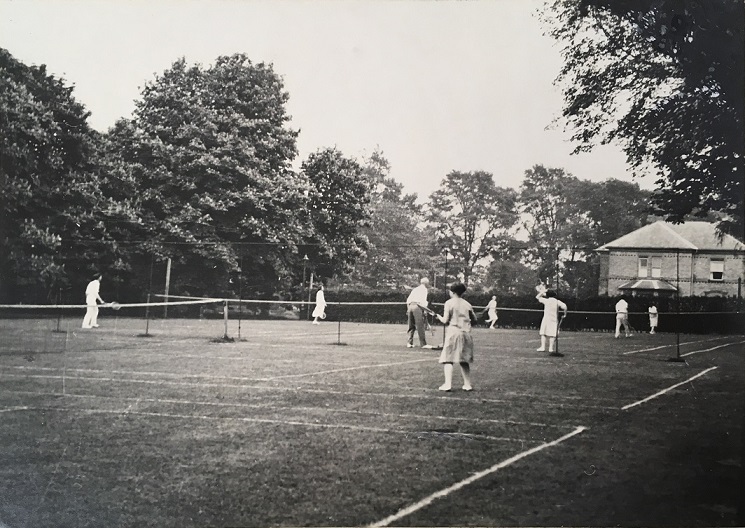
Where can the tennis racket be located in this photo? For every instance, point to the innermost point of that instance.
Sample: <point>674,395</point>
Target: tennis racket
<point>427,310</point>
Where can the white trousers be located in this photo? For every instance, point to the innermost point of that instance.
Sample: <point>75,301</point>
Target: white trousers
<point>91,315</point>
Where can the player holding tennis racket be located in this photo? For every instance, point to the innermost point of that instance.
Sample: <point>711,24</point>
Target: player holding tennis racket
<point>551,320</point>
<point>92,297</point>
<point>416,304</point>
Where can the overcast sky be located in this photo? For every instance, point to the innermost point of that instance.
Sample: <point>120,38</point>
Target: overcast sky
<point>437,86</point>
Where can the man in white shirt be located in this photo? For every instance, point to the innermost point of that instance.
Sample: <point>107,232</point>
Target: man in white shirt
<point>622,318</point>
<point>92,298</point>
<point>415,314</point>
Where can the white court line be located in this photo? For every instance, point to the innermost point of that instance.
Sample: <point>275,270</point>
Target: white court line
<point>281,407</point>
<point>346,369</point>
<point>209,376</point>
<point>667,389</point>
<point>712,348</point>
<point>11,409</point>
<point>671,345</point>
<point>317,425</point>
<point>476,476</point>
<point>54,475</point>
<point>427,396</point>
<point>325,334</point>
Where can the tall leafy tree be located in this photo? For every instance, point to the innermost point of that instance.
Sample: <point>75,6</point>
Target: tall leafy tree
<point>471,216</point>
<point>665,80</point>
<point>509,276</point>
<point>398,247</point>
<point>552,219</point>
<point>206,158</point>
<point>567,218</point>
<point>338,207</point>
<point>52,214</point>
<point>612,208</point>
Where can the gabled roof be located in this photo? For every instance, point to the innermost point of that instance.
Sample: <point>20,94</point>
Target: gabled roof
<point>701,236</point>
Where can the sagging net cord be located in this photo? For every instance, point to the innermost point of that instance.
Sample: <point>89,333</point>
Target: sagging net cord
<point>403,303</point>
<point>109,305</point>
<point>191,300</point>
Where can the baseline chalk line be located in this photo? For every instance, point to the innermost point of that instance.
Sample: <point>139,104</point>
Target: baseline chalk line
<point>712,348</point>
<point>663,391</point>
<point>315,425</point>
<point>11,409</point>
<point>476,476</point>
<point>669,346</point>
<point>345,369</point>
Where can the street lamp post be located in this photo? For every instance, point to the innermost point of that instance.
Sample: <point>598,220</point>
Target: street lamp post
<point>302,289</point>
<point>447,252</point>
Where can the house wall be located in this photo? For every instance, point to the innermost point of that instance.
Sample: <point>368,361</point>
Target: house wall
<point>687,270</point>
<point>734,265</point>
<point>603,274</point>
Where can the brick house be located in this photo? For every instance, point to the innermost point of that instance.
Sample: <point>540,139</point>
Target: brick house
<point>662,258</point>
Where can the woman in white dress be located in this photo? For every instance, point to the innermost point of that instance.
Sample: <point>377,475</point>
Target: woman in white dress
<point>492,312</point>
<point>319,312</point>
<point>653,318</point>
<point>458,318</point>
<point>550,321</point>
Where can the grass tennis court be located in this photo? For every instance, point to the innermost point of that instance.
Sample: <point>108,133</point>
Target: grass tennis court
<point>283,427</point>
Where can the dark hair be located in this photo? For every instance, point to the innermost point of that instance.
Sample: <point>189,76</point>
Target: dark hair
<point>551,293</point>
<point>458,288</point>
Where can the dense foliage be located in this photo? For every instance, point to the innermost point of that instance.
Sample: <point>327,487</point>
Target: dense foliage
<point>567,218</point>
<point>337,206</point>
<point>52,214</point>
<point>200,179</point>
<point>471,216</point>
<point>206,158</point>
<point>400,248</point>
<point>664,79</point>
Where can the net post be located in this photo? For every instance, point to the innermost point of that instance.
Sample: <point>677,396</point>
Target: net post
<point>240,298</point>
<point>677,358</point>
<point>147,316</point>
<point>556,352</point>
<point>225,318</point>
<point>338,328</point>
<point>59,313</point>
<point>310,293</point>
<point>168,285</point>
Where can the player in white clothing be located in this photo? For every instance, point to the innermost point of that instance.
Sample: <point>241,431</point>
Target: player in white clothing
<point>622,318</point>
<point>92,298</point>
<point>550,321</point>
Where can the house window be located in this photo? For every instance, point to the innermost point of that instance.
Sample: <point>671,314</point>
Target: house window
<point>643,265</point>
<point>656,267</point>
<point>716,269</point>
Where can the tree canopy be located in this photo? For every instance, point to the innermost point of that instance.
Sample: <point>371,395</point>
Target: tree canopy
<point>567,218</point>
<point>665,80</point>
<point>337,208</point>
<point>207,159</point>
<point>51,207</point>
<point>471,215</point>
<point>202,174</point>
<point>398,251</point>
